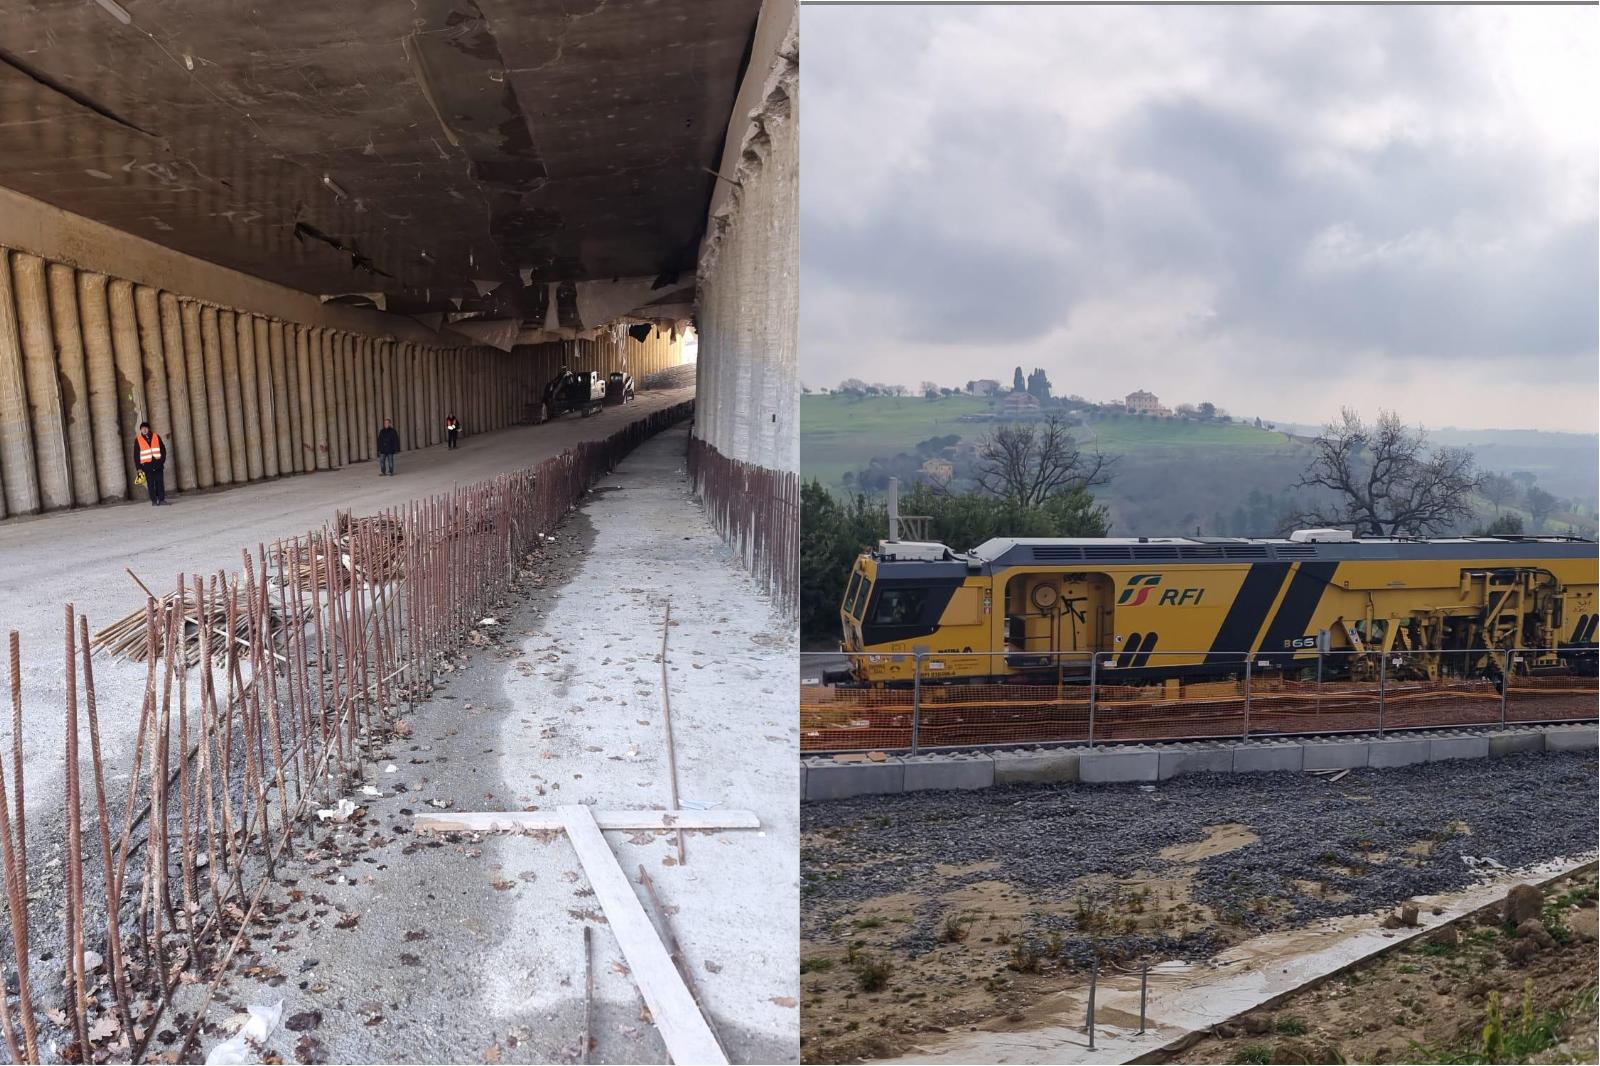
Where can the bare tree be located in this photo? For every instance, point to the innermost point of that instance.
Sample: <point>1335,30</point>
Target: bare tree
<point>1497,489</point>
<point>1385,480</point>
<point>1030,462</point>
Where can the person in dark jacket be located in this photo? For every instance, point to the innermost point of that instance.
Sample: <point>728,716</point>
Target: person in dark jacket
<point>452,431</point>
<point>152,460</point>
<point>388,444</point>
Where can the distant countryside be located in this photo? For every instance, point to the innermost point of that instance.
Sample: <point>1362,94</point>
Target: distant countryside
<point>1192,468</point>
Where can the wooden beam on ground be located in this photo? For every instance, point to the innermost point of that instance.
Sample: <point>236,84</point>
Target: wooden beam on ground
<point>683,1028</point>
<point>544,821</point>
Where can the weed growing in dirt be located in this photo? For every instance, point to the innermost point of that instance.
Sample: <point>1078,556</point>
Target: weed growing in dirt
<point>1255,1053</point>
<point>954,930</point>
<point>815,965</point>
<point>872,974</point>
<point>1291,1025</point>
<point>1025,956</point>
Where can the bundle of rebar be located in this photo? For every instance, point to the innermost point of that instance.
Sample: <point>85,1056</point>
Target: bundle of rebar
<point>129,637</point>
<point>381,558</point>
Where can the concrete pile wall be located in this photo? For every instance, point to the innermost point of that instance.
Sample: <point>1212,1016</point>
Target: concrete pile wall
<point>236,396</point>
<point>243,379</point>
<point>745,456</point>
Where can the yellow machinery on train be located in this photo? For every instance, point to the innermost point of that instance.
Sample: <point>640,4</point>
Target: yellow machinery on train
<point>1134,609</point>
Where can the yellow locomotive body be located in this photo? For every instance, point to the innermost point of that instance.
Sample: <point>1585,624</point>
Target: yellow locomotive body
<point>1151,608</point>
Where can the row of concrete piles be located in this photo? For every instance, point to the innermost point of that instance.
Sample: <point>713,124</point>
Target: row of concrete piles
<point>236,396</point>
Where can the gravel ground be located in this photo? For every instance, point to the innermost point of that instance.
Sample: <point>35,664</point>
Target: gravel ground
<point>1373,840</point>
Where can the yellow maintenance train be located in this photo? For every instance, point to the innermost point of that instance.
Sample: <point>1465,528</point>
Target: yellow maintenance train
<point>1150,608</point>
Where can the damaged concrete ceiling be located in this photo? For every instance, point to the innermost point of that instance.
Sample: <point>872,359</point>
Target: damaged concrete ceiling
<point>434,151</point>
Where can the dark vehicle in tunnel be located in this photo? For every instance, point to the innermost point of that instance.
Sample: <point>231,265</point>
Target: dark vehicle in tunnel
<point>619,387</point>
<point>571,390</point>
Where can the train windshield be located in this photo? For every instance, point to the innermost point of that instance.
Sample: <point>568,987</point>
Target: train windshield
<point>899,607</point>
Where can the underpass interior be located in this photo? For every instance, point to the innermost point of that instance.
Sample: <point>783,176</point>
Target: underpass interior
<point>265,232</point>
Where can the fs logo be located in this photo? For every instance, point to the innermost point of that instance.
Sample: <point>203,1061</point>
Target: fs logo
<point>1139,587</point>
<point>1138,590</point>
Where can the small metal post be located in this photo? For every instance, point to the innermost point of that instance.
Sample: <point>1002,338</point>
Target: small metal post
<point>1094,665</point>
<point>1383,686</point>
<point>1094,979</point>
<point>1144,993</point>
<point>916,701</point>
<point>1319,682</point>
<point>1249,666</point>
<point>1505,684</point>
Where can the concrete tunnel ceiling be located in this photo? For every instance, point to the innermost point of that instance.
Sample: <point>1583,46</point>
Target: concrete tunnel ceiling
<point>448,155</point>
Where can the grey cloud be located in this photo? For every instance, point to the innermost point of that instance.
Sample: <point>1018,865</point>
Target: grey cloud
<point>1429,242</point>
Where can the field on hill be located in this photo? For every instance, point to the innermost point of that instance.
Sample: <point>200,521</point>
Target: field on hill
<point>839,434</point>
<point>1171,478</point>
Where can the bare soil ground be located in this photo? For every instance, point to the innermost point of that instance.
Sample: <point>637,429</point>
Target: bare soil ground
<point>929,912</point>
<point>1435,999</point>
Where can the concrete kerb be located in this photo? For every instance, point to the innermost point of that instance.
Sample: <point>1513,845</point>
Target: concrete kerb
<point>1035,766</point>
<point>960,770</point>
<point>825,778</point>
<point>1195,759</point>
<point>829,779</point>
<point>1571,738</point>
<point>1337,754</point>
<point>1384,752</point>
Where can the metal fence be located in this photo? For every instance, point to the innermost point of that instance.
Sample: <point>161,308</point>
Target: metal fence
<point>1091,702</point>
<point>263,691</point>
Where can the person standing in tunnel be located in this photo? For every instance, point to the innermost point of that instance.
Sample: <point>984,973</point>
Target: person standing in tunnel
<point>452,430</point>
<point>388,445</point>
<point>152,455</point>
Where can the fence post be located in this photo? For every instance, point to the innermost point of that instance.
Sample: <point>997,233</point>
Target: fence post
<point>1094,688</point>
<point>1249,665</point>
<point>1505,684</point>
<point>1144,989</point>
<point>1319,682</point>
<point>1094,979</point>
<point>1383,687</point>
<point>916,701</point>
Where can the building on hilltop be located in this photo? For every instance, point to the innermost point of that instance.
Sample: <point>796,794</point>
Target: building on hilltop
<point>1020,403</point>
<point>1141,402</point>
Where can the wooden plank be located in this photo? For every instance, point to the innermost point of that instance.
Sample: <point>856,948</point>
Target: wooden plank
<point>535,821</point>
<point>683,1028</point>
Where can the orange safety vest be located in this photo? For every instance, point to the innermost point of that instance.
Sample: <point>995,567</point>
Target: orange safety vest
<point>149,448</point>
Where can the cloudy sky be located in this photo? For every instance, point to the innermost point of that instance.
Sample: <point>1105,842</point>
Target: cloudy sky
<point>1279,210</point>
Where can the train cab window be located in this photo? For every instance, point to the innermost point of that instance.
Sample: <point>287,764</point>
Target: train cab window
<point>850,592</point>
<point>899,607</point>
<point>860,599</point>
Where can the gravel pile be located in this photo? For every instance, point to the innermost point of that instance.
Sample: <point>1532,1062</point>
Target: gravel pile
<point>1351,836</point>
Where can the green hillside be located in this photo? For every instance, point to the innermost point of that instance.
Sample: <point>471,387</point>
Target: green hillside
<point>1171,478</point>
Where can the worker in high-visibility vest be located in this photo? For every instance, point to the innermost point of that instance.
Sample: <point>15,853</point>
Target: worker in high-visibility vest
<point>152,455</point>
